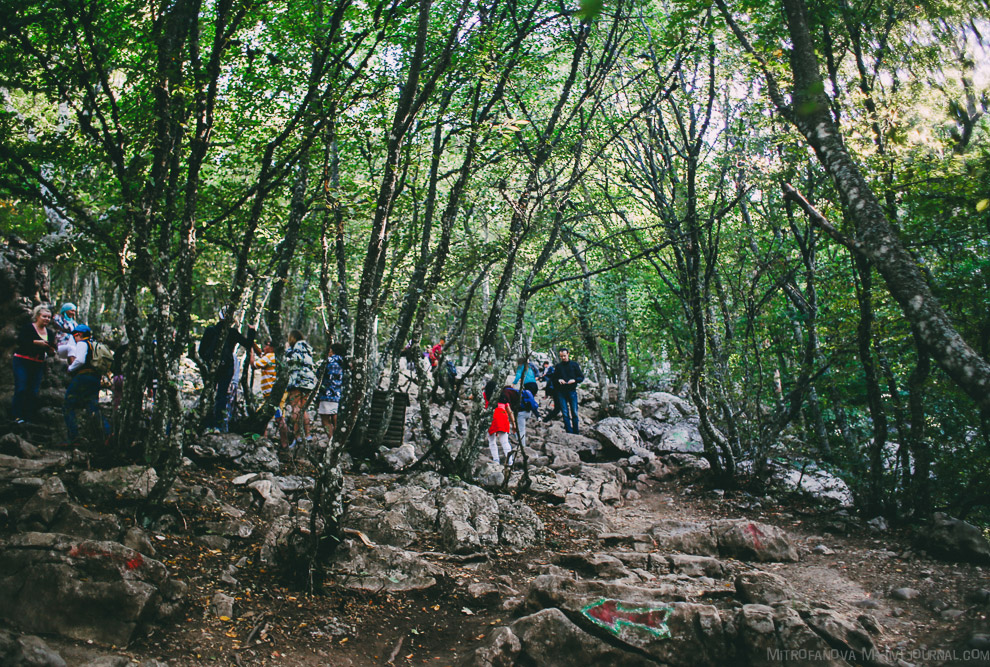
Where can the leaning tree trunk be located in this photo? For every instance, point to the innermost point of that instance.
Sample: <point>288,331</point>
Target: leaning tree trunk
<point>875,237</point>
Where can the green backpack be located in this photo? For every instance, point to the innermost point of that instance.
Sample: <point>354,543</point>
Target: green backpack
<point>100,357</point>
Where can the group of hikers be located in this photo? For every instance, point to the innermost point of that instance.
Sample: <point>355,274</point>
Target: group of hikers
<point>520,405</point>
<point>304,375</point>
<point>87,361</point>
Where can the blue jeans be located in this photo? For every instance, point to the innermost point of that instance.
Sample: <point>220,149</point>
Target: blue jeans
<point>220,416</point>
<point>569,406</point>
<point>27,384</point>
<point>83,393</point>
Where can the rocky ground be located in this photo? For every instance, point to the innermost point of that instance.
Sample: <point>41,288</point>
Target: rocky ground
<point>620,553</point>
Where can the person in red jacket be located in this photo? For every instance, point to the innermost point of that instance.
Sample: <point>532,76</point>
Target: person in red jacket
<point>498,432</point>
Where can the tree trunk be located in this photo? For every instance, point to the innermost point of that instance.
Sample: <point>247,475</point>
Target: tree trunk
<point>875,237</point>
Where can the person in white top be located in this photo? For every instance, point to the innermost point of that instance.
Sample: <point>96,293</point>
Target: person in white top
<point>83,392</point>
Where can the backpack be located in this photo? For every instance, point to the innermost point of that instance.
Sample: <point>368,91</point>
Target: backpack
<point>99,357</point>
<point>451,369</point>
<point>528,403</point>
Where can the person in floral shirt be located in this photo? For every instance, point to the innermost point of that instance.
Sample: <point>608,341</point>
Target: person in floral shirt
<point>302,380</point>
<point>330,389</point>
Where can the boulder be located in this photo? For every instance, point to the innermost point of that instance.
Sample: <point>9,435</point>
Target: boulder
<point>45,502</point>
<point>595,566</point>
<point>401,456</point>
<point>71,519</point>
<point>27,651</point>
<point>130,483</point>
<point>382,568</point>
<point>684,536</point>
<point>12,467</point>
<point>518,527</point>
<point>618,435</point>
<point>547,484</point>
<point>682,437</point>
<point>956,540</point>
<point>642,619</point>
<point>83,589</point>
<point>762,588</point>
<point>819,484</point>
<point>664,407</point>
<point>416,503</point>
<point>586,448</point>
<point>549,637</point>
<point>14,445</point>
<point>697,566</point>
<point>287,542</point>
<point>844,636</point>
<point>242,453</point>
<point>381,526</point>
<point>467,518</point>
<point>752,541</point>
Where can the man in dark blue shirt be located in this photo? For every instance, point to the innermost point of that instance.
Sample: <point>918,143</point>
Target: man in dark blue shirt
<point>568,376</point>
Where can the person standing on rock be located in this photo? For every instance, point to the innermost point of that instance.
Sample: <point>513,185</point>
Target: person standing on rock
<point>567,375</point>
<point>498,432</point>
<point>550,389</point>
<point>83,392</point>
<point>331,388</point>
<point>302,380</point>
<point>64,323</point>
<point>35,342</point>
<point>220,415</point>
<point>527,373</point>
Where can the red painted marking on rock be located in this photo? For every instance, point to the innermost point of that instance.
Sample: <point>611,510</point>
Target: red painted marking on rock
<point>756,534</point>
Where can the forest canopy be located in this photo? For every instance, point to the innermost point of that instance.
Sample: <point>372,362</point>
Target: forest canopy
<point>778,209</point>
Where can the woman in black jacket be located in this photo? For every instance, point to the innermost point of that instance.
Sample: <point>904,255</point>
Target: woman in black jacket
<point>35,341</point>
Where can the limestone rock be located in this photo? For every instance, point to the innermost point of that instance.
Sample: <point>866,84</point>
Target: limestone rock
<point>549,637</point>
<point>130,483</point>
<point>684,536</point>
<point>762,588</point>
<point>618,435</point>
<point>27,651</point>
<point>467,518</point>
<point>382,568</point>
<point>43,505</point>
<point>750,540</point>
<point>955,540</point>
<point>519,526</point>
<point>242,453</point>
<point>697,566</point>
<point>83,589</point>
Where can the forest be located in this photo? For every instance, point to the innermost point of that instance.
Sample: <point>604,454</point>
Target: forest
<point>776,210</point>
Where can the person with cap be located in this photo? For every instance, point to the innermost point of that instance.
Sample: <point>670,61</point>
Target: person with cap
<point>83,392</point>
<point>64,323</point>
<point>35,341</point>
<point>226,331</point>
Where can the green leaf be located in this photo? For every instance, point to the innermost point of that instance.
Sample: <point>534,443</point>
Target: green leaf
<point>982,205</point>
